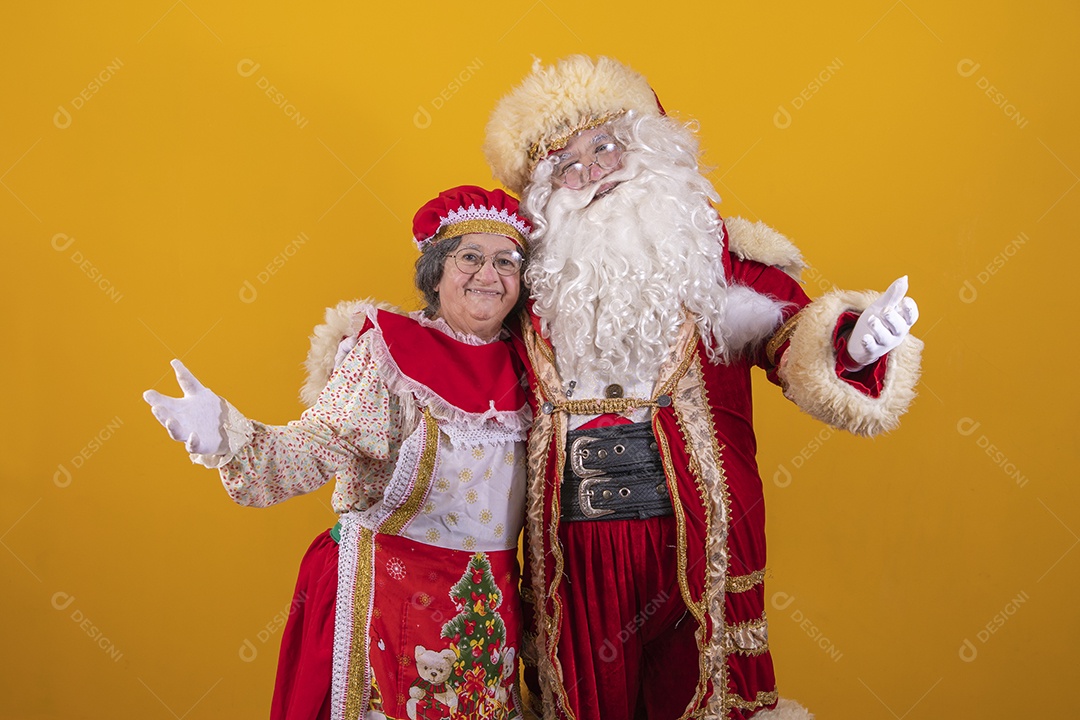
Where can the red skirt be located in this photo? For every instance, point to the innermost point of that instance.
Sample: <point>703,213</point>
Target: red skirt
<point>306,661</point>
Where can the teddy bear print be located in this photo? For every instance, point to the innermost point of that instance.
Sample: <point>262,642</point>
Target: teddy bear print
<point>430,697</point>
<point>502,692</point>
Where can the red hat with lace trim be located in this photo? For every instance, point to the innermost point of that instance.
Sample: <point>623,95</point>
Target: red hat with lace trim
<point>470,209</point>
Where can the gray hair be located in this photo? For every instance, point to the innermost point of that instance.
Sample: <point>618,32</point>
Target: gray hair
<point>429,272</point>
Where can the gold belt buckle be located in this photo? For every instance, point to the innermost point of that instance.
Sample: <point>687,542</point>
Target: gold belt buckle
<point>589,477</point>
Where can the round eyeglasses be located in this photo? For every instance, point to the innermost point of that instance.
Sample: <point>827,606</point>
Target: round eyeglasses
<point>577,175</point>
<point>505,262</point>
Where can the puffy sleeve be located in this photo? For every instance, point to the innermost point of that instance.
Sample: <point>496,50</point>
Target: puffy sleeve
<point>352,432</point>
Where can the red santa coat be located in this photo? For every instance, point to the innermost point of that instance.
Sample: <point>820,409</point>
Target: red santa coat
<point>707,446</point>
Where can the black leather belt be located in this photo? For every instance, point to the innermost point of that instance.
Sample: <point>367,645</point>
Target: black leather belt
<point>614,473</point>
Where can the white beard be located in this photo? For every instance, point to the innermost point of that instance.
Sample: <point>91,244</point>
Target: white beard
<point>613,278</point>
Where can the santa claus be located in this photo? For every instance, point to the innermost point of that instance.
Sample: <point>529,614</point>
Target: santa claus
<point>645,521</point>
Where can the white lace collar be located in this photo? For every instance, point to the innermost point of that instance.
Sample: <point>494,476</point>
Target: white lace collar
<point>442,326</point>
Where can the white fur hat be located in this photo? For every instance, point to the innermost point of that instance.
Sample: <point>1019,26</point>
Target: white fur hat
<point>554,103</point>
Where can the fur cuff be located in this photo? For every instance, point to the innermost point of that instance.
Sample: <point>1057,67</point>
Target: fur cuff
<point>808,371</point>
<point>759,242</point>
<point>785,710</point>
<point>347,318</point>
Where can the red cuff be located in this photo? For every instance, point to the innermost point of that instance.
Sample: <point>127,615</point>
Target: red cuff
<point>869,380</point>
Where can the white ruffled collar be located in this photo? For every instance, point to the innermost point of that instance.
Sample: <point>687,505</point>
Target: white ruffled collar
<point>437,323</point>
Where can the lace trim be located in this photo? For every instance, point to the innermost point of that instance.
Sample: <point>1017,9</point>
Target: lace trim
<point>238,431</point>
<point>343,614</point>
<point>419,484</point>
<point>437,323</point>
<point>462,215</point>
<point>400,485</point>
<point>458,438</point>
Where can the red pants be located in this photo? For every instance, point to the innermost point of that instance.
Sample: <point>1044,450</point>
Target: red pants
<point>627,648</point>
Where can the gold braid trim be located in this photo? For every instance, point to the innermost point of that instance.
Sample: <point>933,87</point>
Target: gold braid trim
<point>546,429</point>
<point>676,381</point>
<point>696,608</point>
<point>748,638</point>
<point>781,336</point>
<point>357,693</point>
<point>555,622</point>
<point>540,149</point>
<point>601,406</point>
<point>693,709</point>
<point>762,699</point>
<point>478,225</point>
<point>400,517</point>
<point>742,583</point>
<point>539,345</point>
<point>686,351</point>
<point>706,463</point>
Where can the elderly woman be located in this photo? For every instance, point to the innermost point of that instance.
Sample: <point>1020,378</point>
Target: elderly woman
<point>409,606</point>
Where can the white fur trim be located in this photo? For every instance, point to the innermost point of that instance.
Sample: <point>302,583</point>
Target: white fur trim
<point>785,710</point>
<point>750,317</point>
<point>555,101</point>
<point>808,371</point>
<point>757,241</point>
<point>343,320</point>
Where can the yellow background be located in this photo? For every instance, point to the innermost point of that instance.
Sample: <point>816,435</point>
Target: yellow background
<point>153,202</point>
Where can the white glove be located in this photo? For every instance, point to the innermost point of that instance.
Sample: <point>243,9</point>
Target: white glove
<point>344,348</point>
<point>197,419</point>
<point>883,325</point>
